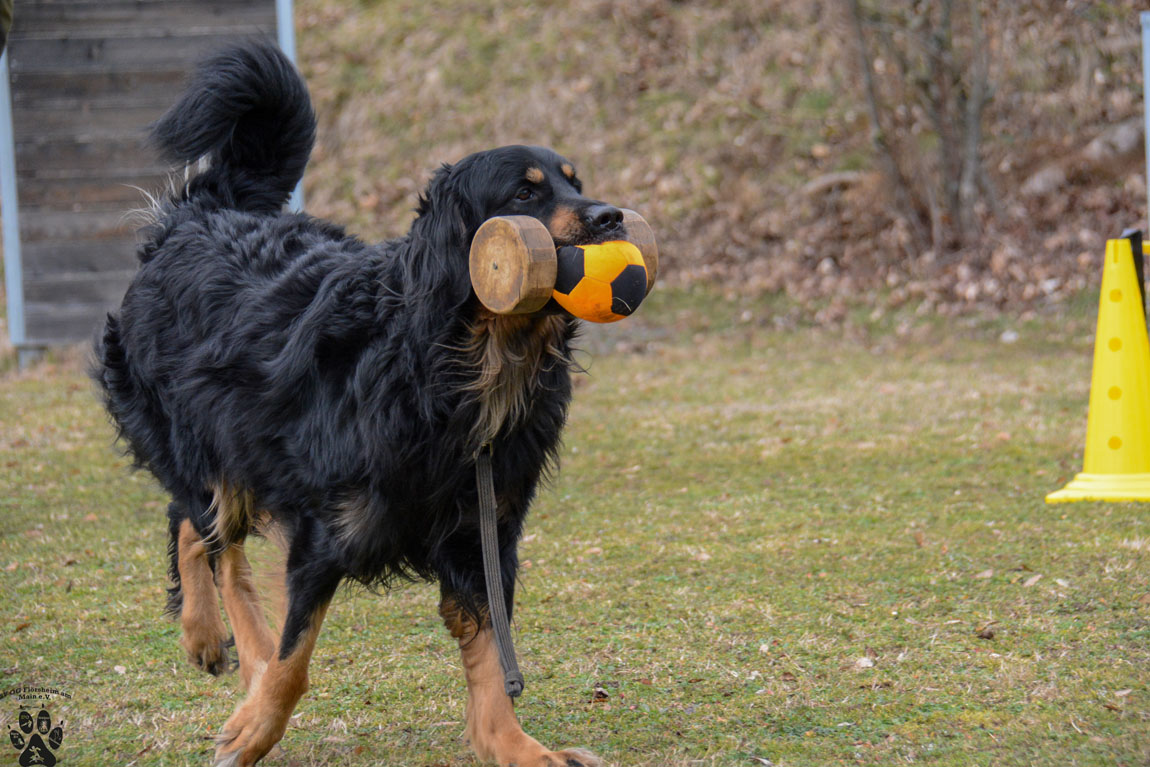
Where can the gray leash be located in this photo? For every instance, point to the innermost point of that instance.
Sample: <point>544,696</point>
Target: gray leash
<point>496,605</point>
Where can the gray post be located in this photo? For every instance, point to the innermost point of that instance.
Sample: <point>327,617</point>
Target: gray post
<point>10,221</point>
<point>285,35</point>
<point>1145,16</point>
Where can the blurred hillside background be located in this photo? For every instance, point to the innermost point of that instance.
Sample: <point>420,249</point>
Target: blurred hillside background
<point>1008,144</point>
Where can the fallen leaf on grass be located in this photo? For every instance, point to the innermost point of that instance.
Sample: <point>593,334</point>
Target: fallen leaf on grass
<point>90,518</point>
<point>1112,706</point>
<point>21,626</point>
<point>120,669</point>
<point>1032,580</point>
<point>985,574</point>
<point>920,538</point>
<point>864,662</point>
<point>1122,693</point>
<point>986,632</point>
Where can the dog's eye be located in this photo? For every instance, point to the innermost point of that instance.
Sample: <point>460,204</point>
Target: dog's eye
<point>525,194</point>
<point>578,185</point>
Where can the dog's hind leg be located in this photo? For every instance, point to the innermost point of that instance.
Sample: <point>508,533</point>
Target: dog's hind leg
<point>255,642</point>
<point>260,721</point>
<point>205,638</point>
<point>492,728</point>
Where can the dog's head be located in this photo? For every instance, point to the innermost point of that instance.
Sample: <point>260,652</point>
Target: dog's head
<point>514,181</point>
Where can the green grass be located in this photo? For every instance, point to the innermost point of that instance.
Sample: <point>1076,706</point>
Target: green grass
<point>743,514</point>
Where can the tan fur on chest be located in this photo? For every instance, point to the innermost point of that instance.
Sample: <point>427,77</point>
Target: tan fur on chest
<point>508,354</point>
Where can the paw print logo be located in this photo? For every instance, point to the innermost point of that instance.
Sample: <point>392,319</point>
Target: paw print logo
<point>33,750</point>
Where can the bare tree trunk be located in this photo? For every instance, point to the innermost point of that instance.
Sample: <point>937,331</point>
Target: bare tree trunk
<point>942,105</point>
<point>975,104</point>
<point>937,230</point>
<point>887,161</point>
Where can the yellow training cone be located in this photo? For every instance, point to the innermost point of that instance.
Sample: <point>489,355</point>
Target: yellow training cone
<point>1117,462</point>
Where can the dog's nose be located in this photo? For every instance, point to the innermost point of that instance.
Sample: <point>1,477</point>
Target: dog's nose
<point>603,218</point>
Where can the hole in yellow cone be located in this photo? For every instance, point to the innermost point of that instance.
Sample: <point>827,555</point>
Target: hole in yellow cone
<point>1114,392</point>
<point>1116,295</point>
<point>1115,344</point>
<point>1115,443</point>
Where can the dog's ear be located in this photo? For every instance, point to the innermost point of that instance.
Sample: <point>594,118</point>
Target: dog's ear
<point>447,218</point>
<point>447,214</point>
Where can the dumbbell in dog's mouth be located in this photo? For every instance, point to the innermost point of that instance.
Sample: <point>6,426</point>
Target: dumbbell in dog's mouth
<point>521,266</point>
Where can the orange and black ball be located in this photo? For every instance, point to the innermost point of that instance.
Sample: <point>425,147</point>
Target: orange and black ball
<point>600,283</point>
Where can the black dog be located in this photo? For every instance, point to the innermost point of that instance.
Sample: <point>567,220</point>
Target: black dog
<point>282,378</point>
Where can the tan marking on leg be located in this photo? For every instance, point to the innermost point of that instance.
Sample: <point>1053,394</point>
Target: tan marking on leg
<point>271,573</point>
<point>261,720</point>
<point>204,634</point>
<point>255,642</point>
<point>492,728</point>
<point>535,175</point>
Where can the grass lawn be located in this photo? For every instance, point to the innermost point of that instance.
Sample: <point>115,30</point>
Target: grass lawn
<point>766,546</point>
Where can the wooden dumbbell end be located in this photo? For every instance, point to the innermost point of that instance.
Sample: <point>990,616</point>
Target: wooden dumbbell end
<point>640,235</point>
<point>513,264</point>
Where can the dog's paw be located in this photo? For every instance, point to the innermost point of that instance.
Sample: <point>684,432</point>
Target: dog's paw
<point>33,750</point>
<point>209,651</point>
<point>248,735</point>
<point>573,757</point>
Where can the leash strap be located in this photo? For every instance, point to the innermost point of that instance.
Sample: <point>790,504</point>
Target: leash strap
<point>496,604</point>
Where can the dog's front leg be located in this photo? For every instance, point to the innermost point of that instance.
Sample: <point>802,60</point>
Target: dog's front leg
<point>261,720</point>
<point>492,728</point>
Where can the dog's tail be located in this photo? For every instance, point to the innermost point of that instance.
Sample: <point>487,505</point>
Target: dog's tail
<point>247,110</point>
